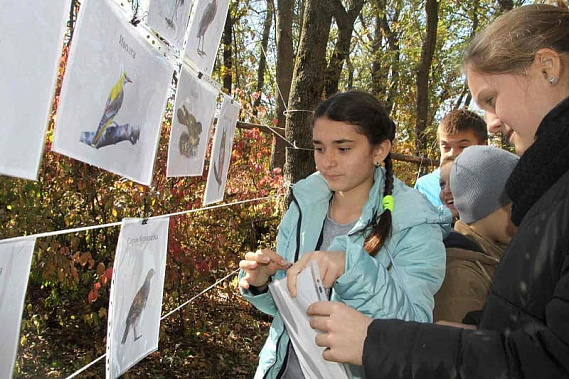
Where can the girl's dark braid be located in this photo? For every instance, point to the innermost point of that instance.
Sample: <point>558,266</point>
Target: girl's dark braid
<point>381,230</point>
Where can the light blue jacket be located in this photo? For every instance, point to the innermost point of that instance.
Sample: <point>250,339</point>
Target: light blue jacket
<point>429,186</point>
<point>369,284</point>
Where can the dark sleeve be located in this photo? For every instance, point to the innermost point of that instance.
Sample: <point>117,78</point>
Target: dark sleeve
<point>538,349</point>
<point>399,349</point>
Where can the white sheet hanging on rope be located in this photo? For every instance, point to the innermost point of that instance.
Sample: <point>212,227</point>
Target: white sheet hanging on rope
<point>170,19</point>
<point>15,261</point>
<point>193,117</point>
<point>31,37</point>
<point>221,151</point>
<point>204,33</point>
<point>135,300</point>
<point>113,95</point>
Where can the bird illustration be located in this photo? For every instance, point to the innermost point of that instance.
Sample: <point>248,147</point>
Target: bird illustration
<point>137,307</point>
<point>207,18</point>
<point>190,139</point>
<point>221,159</point>
<point>170,21</point>
<point>114,103</point>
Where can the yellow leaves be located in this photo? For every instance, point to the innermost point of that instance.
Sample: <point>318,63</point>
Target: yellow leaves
<point>101,268</point>
<point>103,313</point>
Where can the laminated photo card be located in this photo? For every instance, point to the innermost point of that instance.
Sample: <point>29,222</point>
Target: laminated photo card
<point>170,19</point>
<point>221,151</point>
<point>31,38</point>
<point>113,95</point>
<point>204,33</point>
<point>15,262</point>
<point>135,300</point>
<point>194,112</point>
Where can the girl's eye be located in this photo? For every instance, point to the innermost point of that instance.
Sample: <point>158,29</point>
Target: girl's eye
<point>344,149</point>
<point>319,149</point>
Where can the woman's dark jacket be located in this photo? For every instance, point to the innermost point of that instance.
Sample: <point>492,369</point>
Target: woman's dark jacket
<point>524,329</point>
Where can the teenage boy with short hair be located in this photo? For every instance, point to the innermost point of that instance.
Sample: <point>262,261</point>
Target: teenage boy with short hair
<point>458,129</point>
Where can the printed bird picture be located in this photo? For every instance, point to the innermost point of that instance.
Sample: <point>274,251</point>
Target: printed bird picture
<point>207,18</point>
<point>189,140</point>
<point>113,106</point>
<point>137,308</point>
<point>218,166</point>
<point>171,21</point>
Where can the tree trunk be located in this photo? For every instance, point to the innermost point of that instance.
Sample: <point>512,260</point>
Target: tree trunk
<point>345,20</point>
<point>385,69</point>
<point>263,60</point>
<point>423,70</point>
<point>227,54</point>
<point>306,90</point>
<point>285,57</point>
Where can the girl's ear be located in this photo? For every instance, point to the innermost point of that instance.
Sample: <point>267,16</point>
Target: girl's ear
<point>550,64</point>
<point>381,150</point>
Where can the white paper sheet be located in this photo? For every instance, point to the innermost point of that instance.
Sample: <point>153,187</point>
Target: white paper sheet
<point>221,151</point>
<point>194,113</point>
<point>31,37</point>
<point>170,19</point>
<point>137,286</point>
<point>15,262</point>
<point>297,323</point>
<point>113,95</point>
<point>204,33</point>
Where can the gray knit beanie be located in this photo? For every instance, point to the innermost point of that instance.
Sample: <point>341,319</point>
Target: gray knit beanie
<point>478,179</point>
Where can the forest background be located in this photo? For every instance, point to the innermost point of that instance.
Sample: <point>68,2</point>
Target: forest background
<point>275,55</point>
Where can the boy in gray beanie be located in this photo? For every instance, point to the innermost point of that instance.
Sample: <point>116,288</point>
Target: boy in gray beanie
<point>477,180</point>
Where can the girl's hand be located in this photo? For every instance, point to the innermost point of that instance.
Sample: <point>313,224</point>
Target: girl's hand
<point>330,263</point>
<point>259,266</point>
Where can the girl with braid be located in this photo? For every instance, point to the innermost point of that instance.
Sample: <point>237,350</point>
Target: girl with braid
<point>378,243</point>
<point>518,72</point>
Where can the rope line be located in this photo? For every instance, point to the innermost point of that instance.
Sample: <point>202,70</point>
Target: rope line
<point>81,229</point>
<point>86,367</point>
<point>286,111</point>
<point>161,318</point>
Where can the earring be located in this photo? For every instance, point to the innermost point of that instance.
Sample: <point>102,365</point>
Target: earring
<point>552,80</point>
<point>377,164</point>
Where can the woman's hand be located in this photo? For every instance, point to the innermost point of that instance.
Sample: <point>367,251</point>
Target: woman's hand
<point>259,266</point>
<point>330,263</point>
<point>344,331</point>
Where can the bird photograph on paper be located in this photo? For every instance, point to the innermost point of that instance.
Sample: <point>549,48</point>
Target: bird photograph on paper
<point>15,262</point>
<point>221,151</point>
<point>205,31</point>
<point>170,19</point>
<point>135,303</point>
<point>109,132</point>
<point>113,95</point>
<point>193,117</point>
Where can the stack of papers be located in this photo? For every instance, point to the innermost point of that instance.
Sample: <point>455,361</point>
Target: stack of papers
<point>297,323</point>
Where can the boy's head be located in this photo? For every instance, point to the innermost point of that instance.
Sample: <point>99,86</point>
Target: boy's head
<point>478,182</point>
<point>444,181</point>
<point>459,129</point>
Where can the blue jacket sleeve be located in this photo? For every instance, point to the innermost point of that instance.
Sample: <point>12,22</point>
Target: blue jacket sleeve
<point>264,302</point>
<point>402,289</point>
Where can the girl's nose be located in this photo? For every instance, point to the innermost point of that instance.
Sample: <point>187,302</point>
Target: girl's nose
<point>493,123</point>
